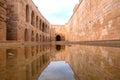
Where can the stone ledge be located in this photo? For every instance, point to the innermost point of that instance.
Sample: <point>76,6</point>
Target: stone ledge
<point>109,43</point>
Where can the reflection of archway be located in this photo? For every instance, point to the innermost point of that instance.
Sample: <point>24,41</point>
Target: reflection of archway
<point>58,47</point>
<point>58,38</point>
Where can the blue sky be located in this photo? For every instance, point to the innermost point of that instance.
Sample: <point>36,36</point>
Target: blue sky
<point>56,11</point>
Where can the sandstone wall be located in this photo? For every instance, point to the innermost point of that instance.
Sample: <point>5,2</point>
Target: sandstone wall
<point>60,30</point>
<point>25,22</point>
<point>2,20</point>
<point>95,20</point>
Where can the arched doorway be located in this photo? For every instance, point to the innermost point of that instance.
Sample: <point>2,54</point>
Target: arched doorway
<point>58,38</point>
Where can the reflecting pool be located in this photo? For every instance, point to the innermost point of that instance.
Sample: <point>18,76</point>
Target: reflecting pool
<point>59,62</point>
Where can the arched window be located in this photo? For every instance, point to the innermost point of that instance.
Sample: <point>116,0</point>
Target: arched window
<point>37,37</point>
<point>43,26</point>
<point>40,24</point>
<point>37,21</point>
<point>32,36</point>
<point>40,38</point>
<point>27,13</point>
<point>26,35</point>
<point>43,38</point>
<point>32,18</point>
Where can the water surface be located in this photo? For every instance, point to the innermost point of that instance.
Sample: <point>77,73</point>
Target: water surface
<point>45,62</point>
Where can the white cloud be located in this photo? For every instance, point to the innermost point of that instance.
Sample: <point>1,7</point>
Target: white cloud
<point>56,11</point>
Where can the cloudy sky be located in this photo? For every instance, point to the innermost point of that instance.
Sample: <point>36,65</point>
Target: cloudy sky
<point>56,11</point>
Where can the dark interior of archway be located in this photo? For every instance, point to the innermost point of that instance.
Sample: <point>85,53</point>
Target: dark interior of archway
<point>58,47</point>
<point>58,38</point>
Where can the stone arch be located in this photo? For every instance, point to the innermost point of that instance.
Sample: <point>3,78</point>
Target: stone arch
<point>43,27</point>
<point>58,38</point>
<point>40,24</point>
<point>27,13</point>
<point>32,36</point>
<point>32,18</point>
<point>40,38</point>
<point>37,37</point>
<point>26,35</point>
<point>37,21</point>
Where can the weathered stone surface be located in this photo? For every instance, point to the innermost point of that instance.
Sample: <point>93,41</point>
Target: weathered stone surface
<point>2,20</point>
<point>24,22</point>
<point>91,21</point>
<point>95,20</point>
<point>59,30</point>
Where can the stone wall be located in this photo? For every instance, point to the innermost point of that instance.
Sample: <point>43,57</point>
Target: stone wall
<point>2,20</point>
<point>94,20</point>
<point>60,30</point>
<point>25,22</point>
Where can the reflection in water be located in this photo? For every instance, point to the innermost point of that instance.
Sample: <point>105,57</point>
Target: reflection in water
<point>95,63</point>
<point>87,62</point>
<point>58,47</point>
<point>23,63</point>
<point>58,70</point>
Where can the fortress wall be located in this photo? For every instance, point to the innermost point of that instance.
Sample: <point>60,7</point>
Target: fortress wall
<point>94,20</point>
<point>25,22</point>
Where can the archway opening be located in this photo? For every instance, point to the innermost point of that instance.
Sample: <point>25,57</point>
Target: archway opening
<point>32,36</point>
<point>58,38</point>
<point>26,36</point>
<point>32,18</point>
<point>37,37</point>
<point>58,47</point>
<point>27,13</point>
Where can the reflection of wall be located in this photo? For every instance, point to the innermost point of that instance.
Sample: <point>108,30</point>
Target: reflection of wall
<point>2,63</point>
<point>19,63</point>
<point>95,63</point>
<point>58,55</point>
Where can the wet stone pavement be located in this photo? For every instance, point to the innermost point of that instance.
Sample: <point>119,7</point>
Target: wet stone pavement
<point>59,62</point>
